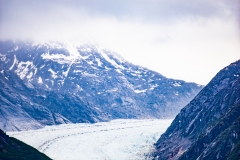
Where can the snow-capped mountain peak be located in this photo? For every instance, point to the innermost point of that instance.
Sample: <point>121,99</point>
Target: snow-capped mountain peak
<point>84,83</point>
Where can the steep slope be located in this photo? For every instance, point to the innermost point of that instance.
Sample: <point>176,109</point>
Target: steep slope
<point>221,141</point>
<point>51,83</point>
<point>208,127</point>
<point>13,149</point>
<point>25,108</point>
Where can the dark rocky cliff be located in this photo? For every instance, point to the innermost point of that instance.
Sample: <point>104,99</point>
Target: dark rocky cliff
<point>208,127</point>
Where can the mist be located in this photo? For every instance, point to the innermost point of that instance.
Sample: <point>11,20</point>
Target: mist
<point>179,39</point>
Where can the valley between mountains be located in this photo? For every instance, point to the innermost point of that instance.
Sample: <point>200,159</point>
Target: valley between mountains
<point>115,140</point>
<point>78,101</point>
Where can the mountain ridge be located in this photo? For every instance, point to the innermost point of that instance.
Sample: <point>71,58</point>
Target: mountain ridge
<point>70,83</point>
<point>184,138</point>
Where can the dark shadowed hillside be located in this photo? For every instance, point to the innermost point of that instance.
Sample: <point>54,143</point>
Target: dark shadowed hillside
<point>13,149</point>
<point>209,126</point>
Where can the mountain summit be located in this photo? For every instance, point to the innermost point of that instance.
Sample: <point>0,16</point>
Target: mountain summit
<point>208,128</point>
<point>54,83</point>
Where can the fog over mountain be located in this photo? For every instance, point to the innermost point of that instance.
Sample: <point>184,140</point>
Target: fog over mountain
<point>152,34</point>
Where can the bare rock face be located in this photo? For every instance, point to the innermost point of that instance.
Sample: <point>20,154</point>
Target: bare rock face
<point>52,83</point>
<point>209,126</point>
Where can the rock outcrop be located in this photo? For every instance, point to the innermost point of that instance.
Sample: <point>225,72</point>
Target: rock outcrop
<point>208,127</point>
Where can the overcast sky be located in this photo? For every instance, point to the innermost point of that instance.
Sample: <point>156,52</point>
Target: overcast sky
<point>183,39</point>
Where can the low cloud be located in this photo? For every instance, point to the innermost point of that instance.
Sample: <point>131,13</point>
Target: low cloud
<point>157,34</point>
<point>83,18</point>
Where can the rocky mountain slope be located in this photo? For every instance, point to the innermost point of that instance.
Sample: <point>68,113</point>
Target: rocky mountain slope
<point>209,126</point>
<point>13,149</point>
<point>51,83</point>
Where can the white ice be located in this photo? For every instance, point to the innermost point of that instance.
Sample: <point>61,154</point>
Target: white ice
<point>140,91</point>
<point>40,80</point>
<point>177,84</point>
<point>54,74</point>
<point>14,61</point>
<point>106,57</point>
<point>24,68</point>
<point>115,140</point>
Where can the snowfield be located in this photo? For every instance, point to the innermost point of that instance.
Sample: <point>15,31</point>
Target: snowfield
<point>114,140</point>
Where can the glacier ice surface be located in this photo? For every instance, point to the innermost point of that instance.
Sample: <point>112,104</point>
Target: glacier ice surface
<point>117,139</point>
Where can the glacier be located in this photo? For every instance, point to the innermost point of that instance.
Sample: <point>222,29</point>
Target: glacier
<point>119,139</point>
